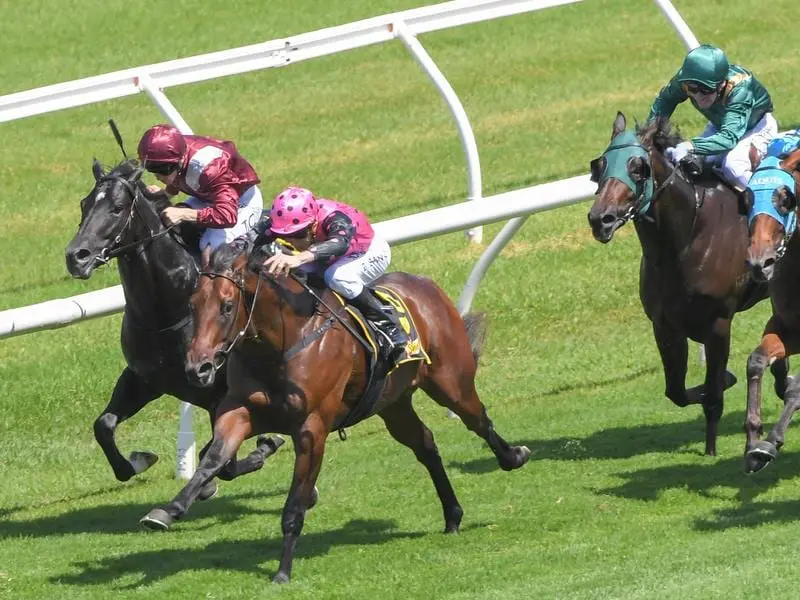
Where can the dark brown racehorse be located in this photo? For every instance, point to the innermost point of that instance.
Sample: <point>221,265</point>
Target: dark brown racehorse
<point>305,394</point>
<point>774,255</point>
<point>693,277</point>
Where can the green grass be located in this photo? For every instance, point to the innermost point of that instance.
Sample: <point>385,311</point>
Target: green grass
<point>617,502</point>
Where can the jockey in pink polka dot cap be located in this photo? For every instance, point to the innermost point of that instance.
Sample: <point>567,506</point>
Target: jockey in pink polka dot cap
<point>336,240</point>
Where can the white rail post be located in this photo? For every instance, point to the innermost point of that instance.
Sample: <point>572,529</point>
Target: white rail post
<point>185,462</point>
<point>474,187</point>
<point>677,21</point>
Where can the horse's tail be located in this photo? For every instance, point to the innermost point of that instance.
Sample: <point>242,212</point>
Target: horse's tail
<point>475,324</point>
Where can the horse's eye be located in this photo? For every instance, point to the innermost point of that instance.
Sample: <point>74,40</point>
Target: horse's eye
<point>227,308</point>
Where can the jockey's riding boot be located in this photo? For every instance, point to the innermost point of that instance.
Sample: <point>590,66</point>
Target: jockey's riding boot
<point>384,317</point>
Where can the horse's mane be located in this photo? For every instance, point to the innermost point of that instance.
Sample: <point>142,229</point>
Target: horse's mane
<point>661,132</point>
<point>225,255</point>
<point>125,169</point>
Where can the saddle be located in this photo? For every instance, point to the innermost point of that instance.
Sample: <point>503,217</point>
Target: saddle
<point>376,343</point>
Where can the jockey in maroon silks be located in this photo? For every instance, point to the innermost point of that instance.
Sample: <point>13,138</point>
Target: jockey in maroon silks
<point>337,241</point>
<point>222,186</point>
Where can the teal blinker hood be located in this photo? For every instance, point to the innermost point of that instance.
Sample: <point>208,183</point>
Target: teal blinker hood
<point>622,149</point>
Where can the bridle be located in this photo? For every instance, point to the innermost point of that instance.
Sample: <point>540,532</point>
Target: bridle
<point>114,249</point>
<point>222,355</point>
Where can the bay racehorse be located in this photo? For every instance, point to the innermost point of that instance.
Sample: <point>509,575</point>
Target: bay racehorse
<point>692,277</point>
<point>774,256</point>
<point>296,368</point>
<point>120,219</point>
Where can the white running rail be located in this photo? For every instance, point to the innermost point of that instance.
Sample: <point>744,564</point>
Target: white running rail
<point>406,25</point>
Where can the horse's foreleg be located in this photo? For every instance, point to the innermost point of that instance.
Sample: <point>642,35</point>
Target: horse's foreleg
<point>774,349</point>
<point>456,390</point>
<point>232,427</point>
<point>309,447</point>
<point>130,394</point>
<point>718,345</point>
<point>405,426</point>
<point>673,348</point>
<point>266,446</point>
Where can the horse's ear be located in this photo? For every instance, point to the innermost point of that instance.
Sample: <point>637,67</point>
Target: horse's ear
<point>205,259</point>
<point>755,157</point>
<point>746,202</point>
<point>97,169</point>
<point>784,200</point>
<point>638,169</point>
<point>597,167</point>
<point>619,125</point>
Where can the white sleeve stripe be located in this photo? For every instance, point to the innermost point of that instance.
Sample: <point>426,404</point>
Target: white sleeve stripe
<point>198,163</point>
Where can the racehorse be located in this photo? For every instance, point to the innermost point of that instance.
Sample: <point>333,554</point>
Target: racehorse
<point>693,277</point>
<point>774,256</point>
<point>295,367</point>
<point>120,218</point>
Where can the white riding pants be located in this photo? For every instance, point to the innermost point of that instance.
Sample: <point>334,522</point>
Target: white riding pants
<point>735,164</point>
<point>250,206</point>
<point>348,275</point>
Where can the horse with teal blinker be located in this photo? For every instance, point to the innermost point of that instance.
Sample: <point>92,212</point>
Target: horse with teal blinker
<point>774,256</point>
<point>693,276</point>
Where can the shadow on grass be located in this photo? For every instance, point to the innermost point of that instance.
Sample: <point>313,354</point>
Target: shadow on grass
<point>124,518</point>
<point>706,480</point>
<point>247,556</point>
<point>617,443</point>
<point>751,514</point>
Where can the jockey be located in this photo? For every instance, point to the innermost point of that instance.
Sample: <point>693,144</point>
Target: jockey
<point>737,106</point>
<point>338,241</point>
<point>222,186</point>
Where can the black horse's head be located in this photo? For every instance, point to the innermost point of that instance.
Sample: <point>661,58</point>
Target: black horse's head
<point>624,175</point>
<point>771,205</point>
<point>107,215</point>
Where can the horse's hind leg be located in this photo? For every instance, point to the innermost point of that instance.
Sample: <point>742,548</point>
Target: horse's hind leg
<point>230,430</point>
<point>405,426</point>
<point>266,446</point>
<point>456,390</point>
<point>130,394</point>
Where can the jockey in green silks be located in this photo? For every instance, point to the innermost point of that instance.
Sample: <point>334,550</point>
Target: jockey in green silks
<point>737,106</point>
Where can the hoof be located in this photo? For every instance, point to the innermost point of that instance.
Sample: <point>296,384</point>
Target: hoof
<point>453,521</point>
<point>730,380</point>
<point>314,498</point>
<point>281,577</point>
<point>272,443</point>
<point>694,395</point>
<point>763,451</point>
<point>753,464</point>
<point>208,491</point>
<point>157,519</point>
<point>520,455</point>
<point>141,461</point>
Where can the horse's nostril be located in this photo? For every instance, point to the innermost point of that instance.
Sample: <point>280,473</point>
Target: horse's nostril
<point>205,369</point>
<point>768,263</point>
<point>82,254</point>
<point>608,219</point>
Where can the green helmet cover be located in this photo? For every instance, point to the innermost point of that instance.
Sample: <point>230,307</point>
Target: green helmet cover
<point>706,65</point>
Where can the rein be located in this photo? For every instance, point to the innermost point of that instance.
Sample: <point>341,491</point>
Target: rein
<point>114,249</point>
<point>298,346</point>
